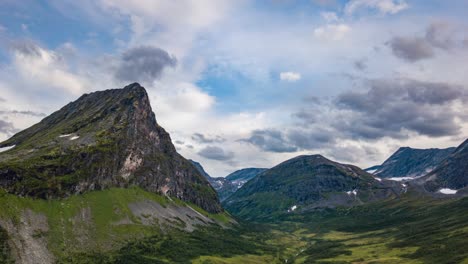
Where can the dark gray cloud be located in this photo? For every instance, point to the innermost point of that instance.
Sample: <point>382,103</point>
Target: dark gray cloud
<point>7,127</point>
<point>178,142</point>
<point>439,35</point>
<point>411,48</point>
<point>200,138</point>
<point>291,140</point>
<point>394,107</point>
<point>312,138</point>
<point>270,140</point>
<point>144,64</point>
<point>216,153</point>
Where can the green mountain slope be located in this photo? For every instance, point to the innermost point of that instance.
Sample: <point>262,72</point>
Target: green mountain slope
<point>305,183</point>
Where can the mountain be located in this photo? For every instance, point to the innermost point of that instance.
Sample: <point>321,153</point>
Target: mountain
<point>236,180</point>
<point>104,139</point>
<point>240,177</point>
<point>231,183</point>
<point>305,183</point>
<point>410,162</point>
<point>452,173</point>
<point>216,183</point>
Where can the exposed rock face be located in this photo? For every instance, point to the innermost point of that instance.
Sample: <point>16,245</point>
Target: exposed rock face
<point>104,139</point>
<point>29,245</point>
<point>307,182</point>
<point>451,173</point>
<point>409,162</point>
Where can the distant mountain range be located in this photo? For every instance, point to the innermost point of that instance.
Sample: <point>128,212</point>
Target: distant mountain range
<point>411,163</point>
<point>226,186</point>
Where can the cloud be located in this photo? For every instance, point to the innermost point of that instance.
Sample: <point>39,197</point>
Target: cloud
<point>392,108</point>
<point>47,67</point>
<point>16,112</point>
<point>312,138</point>
<point>332,32</point>
<point>383,6</point>
<point>360,65</point>
<point>440,34</point>
<point>200,138</point>
<point>144,63</point>
<point>7,128</point>
<point>270,140</point>
<point>290,76</point>
<point>411,48</point>
<point>216,153</point>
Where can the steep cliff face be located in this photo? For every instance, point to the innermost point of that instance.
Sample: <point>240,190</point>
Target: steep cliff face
<point>104,139</point>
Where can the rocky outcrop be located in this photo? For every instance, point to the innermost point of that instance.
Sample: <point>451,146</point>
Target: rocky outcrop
<point>27,238</point>
<point>104,139</point>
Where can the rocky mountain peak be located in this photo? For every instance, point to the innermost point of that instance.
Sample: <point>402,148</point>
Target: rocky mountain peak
<point>104,139</point>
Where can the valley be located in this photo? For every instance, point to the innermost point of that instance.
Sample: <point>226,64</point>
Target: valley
<point>99,181</point>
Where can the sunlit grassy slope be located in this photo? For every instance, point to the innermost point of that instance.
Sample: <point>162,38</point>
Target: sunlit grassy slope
<point>99,221</point>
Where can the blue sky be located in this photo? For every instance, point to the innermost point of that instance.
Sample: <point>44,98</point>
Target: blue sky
<point>261,81</point>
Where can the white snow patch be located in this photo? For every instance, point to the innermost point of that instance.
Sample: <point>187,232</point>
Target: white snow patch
<point>75,137</point>
<point>67,135</point>
<point>404,185</point>
<point>447,191</point>
<point>372,171</point>
<point>378,179</point>
<point>401,178</point>
<point>6,148</point>
<point>354,192</point>
<point>293,208</point>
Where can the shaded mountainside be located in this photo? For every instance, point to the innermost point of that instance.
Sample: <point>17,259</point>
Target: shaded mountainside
<point>410,162</point>
<point>304,183</point>
<point>236,180</point>
<point>451,173</point>
<point>104,139</point>
<point>240,177</point>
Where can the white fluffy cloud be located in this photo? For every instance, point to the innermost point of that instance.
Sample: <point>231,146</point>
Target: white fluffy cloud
<point>290,76</point>
<point>46,68</point>
<point>383,6</point>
